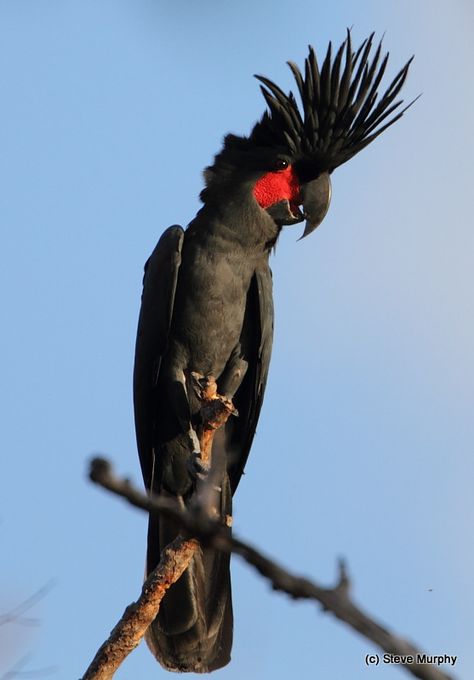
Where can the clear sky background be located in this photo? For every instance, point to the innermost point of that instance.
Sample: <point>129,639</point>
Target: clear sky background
<point>109,112</point>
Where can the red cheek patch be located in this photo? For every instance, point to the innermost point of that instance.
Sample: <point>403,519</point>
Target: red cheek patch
<point>276,186</point>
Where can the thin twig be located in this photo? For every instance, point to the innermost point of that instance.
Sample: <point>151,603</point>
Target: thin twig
<point>335,600</point>
<point>16,615</point>
<point>17,671</point>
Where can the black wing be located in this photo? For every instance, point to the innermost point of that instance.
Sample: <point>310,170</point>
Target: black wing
<point>159,287</point>
<point>249,397</point>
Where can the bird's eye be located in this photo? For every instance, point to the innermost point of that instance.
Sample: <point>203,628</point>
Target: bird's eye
<point>281,164</point>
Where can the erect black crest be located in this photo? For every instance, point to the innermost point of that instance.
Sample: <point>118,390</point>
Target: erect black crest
<point>341,109</point>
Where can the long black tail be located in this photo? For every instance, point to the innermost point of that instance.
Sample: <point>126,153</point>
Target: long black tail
<point>193,630</point>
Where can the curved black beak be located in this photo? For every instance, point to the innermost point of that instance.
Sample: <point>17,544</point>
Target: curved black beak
<point>316,197</point>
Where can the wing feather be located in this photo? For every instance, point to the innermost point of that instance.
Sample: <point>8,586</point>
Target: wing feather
<point>159,288</point>
<point>249,397</point>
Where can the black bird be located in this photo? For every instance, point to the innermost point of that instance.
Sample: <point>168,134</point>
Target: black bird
<point>207,308</point>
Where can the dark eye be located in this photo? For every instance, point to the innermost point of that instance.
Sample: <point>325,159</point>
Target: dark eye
<point>281,164</point>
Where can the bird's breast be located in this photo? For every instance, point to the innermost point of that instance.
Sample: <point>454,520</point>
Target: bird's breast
<point>209,309</point>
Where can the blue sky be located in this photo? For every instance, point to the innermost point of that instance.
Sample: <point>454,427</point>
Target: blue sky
<point>110,111</point>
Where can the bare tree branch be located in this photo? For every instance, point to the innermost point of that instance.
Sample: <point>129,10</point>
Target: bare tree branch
<point>211,532</point>
<point>138,616</point>
<point>175,557</point>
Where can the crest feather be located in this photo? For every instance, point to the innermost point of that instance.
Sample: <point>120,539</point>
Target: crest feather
<point>341,110</point>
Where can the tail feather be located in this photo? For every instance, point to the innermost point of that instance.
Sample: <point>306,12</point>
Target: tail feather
<point>193,629</point>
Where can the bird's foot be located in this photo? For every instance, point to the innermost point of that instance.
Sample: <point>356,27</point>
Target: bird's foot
<point>197,467</point>
<point>204,386</point>
<point>215,408</point>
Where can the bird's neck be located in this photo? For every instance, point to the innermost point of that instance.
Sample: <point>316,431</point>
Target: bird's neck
<point>236,216</point>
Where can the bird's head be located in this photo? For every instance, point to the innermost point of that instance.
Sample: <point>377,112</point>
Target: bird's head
<point>287,159</point>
